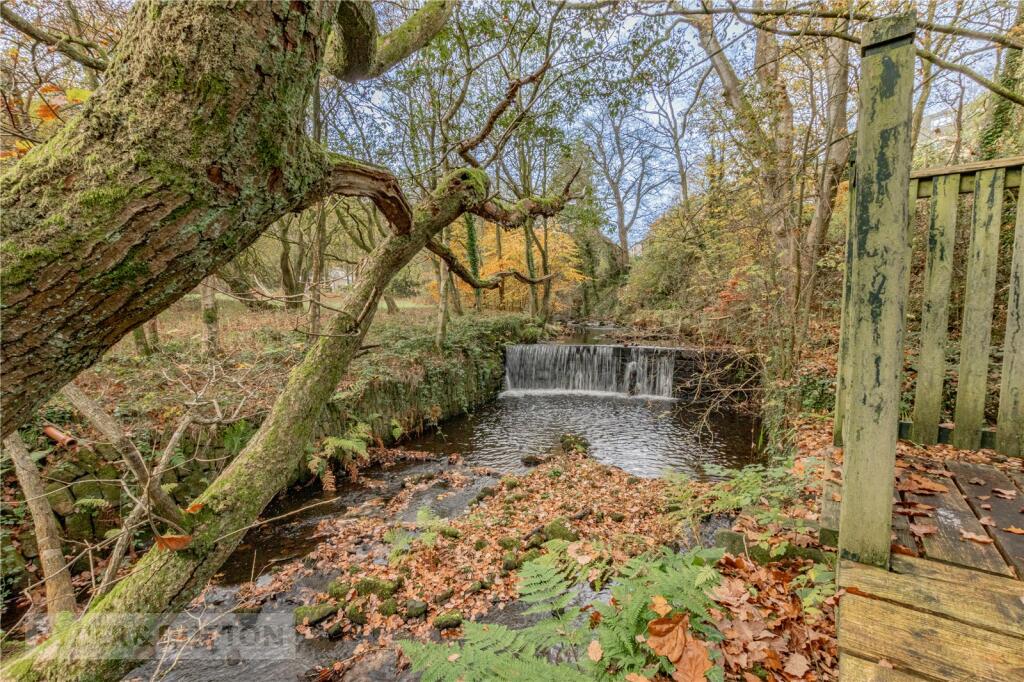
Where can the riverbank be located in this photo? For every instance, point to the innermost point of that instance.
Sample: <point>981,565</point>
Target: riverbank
<point>397,387</point>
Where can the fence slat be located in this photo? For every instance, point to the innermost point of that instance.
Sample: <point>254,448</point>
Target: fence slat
<point>1010,426</point>
<point>843,361</point>
<point>938,274</point>
<point>976,329</point>
<point>878,288</point>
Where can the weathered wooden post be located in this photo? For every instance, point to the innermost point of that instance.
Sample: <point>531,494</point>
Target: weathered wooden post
<point>843,364</point>
<point>1010,424</point>
<point>878,287</point>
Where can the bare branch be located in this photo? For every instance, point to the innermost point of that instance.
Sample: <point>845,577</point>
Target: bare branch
<point>463,273</point>
<point>64,44</point>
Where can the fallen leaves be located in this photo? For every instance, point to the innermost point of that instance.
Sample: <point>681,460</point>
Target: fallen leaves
<point>1015,530</point>
<point>920,485</point>
<point>671,638</point>
<point>1004,493</point>
<point>594,651</point>
<point>920,529</point>
<point>974,537</point>
<point>173,543</point>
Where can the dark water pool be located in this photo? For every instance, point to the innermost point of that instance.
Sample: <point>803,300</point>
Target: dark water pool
<point>642,436</point>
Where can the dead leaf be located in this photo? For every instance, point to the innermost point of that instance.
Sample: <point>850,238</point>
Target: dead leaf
<point>1015,530</point>
<point>920,529</point>
<point>974,537</point>
<point>796,665</point>
<point>195,507</point>
<point>660,605</point>
<point>453,658</point>
<point>594,651</point>
<point>921,485</point>
<point>977,481</point>
<point>637,677</point>
<point>1004,493</point>
<point>173,543</point>
<point>694,663</point>
<point>667,636</point>
<point>986,521</point>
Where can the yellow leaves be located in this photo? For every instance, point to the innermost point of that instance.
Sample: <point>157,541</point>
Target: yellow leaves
<point>594,651</point>
<point>671,638</point>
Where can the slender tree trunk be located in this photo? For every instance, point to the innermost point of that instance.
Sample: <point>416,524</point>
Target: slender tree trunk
<point>545,271</point>
<point>60,595</point>
<point>456,296</point>
<point>531,267</point>
<point>102,644</point>
<point>153,334</point>
<point>473,254</point>
<point>500,256</point>
<point>389,301</point>
<point>319,247</point>
<point>211,325</point>
<point>141,343</point>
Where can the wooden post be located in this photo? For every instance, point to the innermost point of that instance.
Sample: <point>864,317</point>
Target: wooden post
<point>843,364</point>
<point>878,288</point>
<point>1010,424</point>
<point>972,384</point>
<point>938,274</point>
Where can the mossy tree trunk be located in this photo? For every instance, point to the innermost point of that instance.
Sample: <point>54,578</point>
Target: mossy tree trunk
<point>193,146</point>
<point>211,323</point>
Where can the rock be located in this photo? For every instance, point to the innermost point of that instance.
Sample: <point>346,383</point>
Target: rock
<point>572,442</point>
<point>633,480</point>
<point>450,532</point>
<point>485,492</point>
<point>78,526</point>
<point>449,620</point>
<point>60,499</point>
<point>510,561</point>
<point>339,589</point>
<point>509,543</point>
<point>532,460</point>
<point>355,614</point>
<point>480,544</point>
<point>529,555</point>
<point>476,586</point>
<point>388,607</point>
<point>510,482</point>
<point>535,541</point>
<point>617,517</point>
<point>65,472</point>
<point>444,596</point>
<point>314,613</point>
<point>29,547</point>
<point>558,530</point>
<point>414,608</point>
<point>378,586</point>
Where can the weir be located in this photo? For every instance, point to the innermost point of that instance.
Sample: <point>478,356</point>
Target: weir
<point>644,371</point>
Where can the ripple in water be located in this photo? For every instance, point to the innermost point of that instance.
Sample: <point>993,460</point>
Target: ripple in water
<point>644,437</point>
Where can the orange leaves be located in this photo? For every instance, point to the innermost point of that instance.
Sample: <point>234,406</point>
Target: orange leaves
<point>920,485</point>
<point>974,537</point>
<point>594,651</point>
<point>194,508</point>
<point>45,111</point>
<point>671,638</point>
<point>1015,530</point>
<point>173,543</point>
<point>660,606</point>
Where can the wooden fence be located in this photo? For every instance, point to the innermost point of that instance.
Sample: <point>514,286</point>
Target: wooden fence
<point>988,186</point>
<point>884,196</point>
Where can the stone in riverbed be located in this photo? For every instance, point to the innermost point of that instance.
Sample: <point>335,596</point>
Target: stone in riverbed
<point>314,613</point>
<point>532,460</point>
<point>388,607</point>
<point>444,596</point>
<point>339,589</point>
<point>559,530</point>
<point>355,614</point>
<point>378,586</point>
<point>449,620</point>
<point>414,608</point>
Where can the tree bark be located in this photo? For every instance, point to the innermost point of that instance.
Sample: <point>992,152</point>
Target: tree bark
<point>153,334</point>
<point>102,644</point>
<point>60,595</point>
<point>193,146</point>
<point>141,342</point>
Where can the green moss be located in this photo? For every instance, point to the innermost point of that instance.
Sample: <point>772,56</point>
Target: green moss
<point>559,530</point>
<point>448,621</point>
<point>339,589</point>
<point>355,614</point>
<point>509,543</point>
<point>107,197</point>
<point>510,561</point>
<point>414,608</point>
<point>450,532</point>
<point>314,613</point>
<point>530,555</point>
<point>378,586</point>
<point>388,607</point>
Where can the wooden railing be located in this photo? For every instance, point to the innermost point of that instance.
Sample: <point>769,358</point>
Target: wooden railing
<point>884,195</point>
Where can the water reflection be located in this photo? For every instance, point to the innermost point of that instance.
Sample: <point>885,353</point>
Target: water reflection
<point>644,437</point>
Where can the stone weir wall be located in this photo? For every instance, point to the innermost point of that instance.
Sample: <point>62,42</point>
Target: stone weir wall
<point>397,389</point>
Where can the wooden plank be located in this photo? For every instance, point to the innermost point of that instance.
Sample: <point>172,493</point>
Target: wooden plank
<point>977,481</point>
<point>950,516</point>
<point>969,416</point>
<point>878,289</point>
<point>828,522</point>
<point>972,167</point>
<point>966,602</point>
<point>928,645</point>
<point>1018,478</point>
<point>936,570</point>
<point>1010,423</point>
<point>925,186</point>
<point>855,669</point>
<point>938,274</point>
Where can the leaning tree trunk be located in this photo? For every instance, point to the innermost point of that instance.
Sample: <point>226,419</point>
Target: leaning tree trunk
<point>102,644</point>
<point>211,321</point>
<point>193,146</point>
<point>60,595</point>
<point>142,348</point>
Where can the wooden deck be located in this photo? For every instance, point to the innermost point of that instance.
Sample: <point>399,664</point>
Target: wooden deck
<point>956,610</point>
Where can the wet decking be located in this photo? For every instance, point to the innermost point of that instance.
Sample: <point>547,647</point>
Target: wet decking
<point>951,605</point>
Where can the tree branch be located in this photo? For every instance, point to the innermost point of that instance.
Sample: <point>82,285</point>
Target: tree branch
<point>351,178</point>
<point>62,43</point>
<point>354,52</point>
<point>514,215</point>
<point>463,273</point>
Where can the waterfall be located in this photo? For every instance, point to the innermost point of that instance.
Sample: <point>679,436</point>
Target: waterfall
<point>626,370</point>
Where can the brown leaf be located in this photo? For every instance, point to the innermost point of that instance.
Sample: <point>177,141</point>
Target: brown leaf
<point>637,677</point>
<point>667,636</point>
<point>594,651</point>
<point>1015,530</point>
<point>1004,493</point>
<point>920,529</point>
<point>986,521</point>
<point>796,665</point>
<point>173,543</point>
<point>660,605</point>
<point>921,485</point>
<point>195,507</point>
<point>977,481</point>
<point>974,537</point>
<point>694,663</point>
